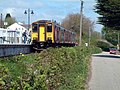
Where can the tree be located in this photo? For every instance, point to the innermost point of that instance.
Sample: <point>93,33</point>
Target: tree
<point>10,20</point>
<point>1,23</point>
<point>72,22</point>
<point>109,11</point>
<point>110,35</point>
<point>103,45</point>
<point>95,37</point>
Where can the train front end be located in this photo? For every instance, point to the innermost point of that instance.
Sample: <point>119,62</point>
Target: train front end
<point>42,34</point>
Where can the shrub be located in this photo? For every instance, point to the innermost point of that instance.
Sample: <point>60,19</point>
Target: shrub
<point>103,45</point>
<point>52,69</point>
<point>95,50</point>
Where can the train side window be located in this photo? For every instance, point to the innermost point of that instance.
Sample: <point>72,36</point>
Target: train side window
<point>34,28</point>
<point>57,35</point>
<point>49,28</point>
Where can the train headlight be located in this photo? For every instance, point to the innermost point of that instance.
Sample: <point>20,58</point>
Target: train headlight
<point>35,38</point>
<point>49,38</point>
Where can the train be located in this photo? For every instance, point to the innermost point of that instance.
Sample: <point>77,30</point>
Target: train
<point>47,33</point>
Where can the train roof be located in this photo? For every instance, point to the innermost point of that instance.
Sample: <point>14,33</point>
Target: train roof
<point>42,21</point>
<point>55,23</point>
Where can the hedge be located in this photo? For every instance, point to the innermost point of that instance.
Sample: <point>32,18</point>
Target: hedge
<point>52,69</point>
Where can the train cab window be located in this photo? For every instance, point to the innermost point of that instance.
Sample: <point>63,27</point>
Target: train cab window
<point>49,28</point>
<point>34,28</point>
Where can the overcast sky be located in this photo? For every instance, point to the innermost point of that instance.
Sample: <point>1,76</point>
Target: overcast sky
<point>48,9</point>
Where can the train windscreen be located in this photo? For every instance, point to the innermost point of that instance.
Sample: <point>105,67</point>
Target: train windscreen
<point>34,28</point>
<point>49,28</point>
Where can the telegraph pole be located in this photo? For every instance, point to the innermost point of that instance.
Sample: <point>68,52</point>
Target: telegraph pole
<point>89,35</point>
<point>81,17</point>
<point>1,20</point>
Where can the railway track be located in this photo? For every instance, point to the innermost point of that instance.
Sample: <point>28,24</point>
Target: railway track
<point>14,49</point>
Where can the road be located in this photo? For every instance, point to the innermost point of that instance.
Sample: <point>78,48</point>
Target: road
<point>105,72</point>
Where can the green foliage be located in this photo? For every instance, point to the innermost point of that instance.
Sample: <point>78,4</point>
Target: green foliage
<point>95,50</point>
<point>103,45</point>
<point>72,22</point>
<point>52,69</point>
<point>110,35</point>
<point>109,10</point>
<point>10,20</point>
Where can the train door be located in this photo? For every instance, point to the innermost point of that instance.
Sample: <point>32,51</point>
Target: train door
<point>42,33</point>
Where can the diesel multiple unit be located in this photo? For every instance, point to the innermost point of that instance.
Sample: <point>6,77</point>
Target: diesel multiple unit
<point>47,33</point>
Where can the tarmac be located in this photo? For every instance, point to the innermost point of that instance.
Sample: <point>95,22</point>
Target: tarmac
<point>105,72</point>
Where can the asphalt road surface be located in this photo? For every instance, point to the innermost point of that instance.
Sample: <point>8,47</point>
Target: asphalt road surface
<point>105,72</point>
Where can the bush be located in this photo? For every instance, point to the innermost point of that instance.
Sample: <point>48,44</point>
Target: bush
<point>95,50</point>
<point>103,45</point>
<point>52,69</point>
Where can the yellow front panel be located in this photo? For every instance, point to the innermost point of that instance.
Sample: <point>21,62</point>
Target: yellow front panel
<point>50,35</point>
<point>42,33</point>
<point>34,36</point>
<point>53,33</point>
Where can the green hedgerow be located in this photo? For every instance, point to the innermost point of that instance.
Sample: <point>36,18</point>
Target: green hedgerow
<point>63,68</point>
